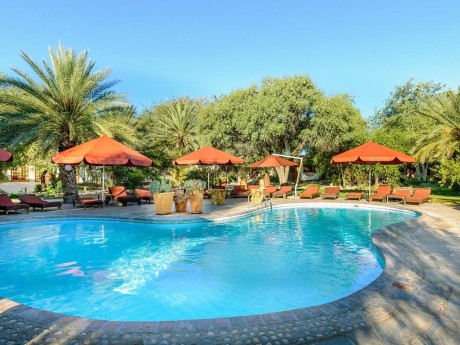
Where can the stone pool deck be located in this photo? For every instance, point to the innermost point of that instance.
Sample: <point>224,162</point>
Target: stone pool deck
<point>415,301</point>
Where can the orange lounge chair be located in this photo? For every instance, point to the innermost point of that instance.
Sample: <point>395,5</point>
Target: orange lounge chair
<point>382,192</point>
<point>86,202</point>
<point>268,191</point>
<point>284,191</point>
<point>240,191</point>
<point>7,205</point>
<point>331,193</point>
<point>119,194</point>
<point>311,192</point>
<point>144,194</point>
<point>399,194</point>
<point>354,196</point>
<point>420,196</point>
<point>34,201</point>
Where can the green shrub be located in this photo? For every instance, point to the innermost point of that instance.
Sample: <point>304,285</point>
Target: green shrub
<point>160,186</point>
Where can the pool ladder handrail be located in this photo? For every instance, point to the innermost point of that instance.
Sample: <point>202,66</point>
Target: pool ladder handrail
<point>265,202</point>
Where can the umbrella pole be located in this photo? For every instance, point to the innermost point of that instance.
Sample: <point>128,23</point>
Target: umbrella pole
<point>370,182</point>
<point>103,182</point>
<point>209,170</point>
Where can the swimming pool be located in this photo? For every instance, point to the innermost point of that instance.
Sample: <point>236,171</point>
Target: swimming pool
<point>271,261</point>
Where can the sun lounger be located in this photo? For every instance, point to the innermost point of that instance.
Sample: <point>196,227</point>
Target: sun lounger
<point>240,191</point>
<point>354,196</point>
<point>399,194</point>
<point>311,192</point>
<point>420,196</point>
<point>119,194</point>
<point>268,191</point>
<point>7,205</point>
<point>87,202</point>
<point>382,192</point>
<point>283,192</point>
<point>36,202</point>
<point>331,193</point>
<point>144,194</point>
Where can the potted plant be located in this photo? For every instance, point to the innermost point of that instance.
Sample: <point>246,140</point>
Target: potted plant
<point>180,200</point>
<point>162,196</point>
<point>194,189</point>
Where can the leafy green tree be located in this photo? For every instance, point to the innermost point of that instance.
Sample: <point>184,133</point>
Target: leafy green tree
<point>336,126</point>
<point>64,104</point>
<point>399,124</point>
<point>260,120</point>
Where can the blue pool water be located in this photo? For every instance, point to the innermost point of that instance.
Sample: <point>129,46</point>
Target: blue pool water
<point>272,261</point>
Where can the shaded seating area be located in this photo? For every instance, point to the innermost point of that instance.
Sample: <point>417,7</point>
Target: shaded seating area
<point>7,205</point>
<point>354,196</point>
<point>283,192</point>
<point>36,202</point>
<point>310,193</point>
<point>381,194</point>
<point>88,202</point>
<point>331,192</point>
<point>400,194</point>
<point>144,194</point>
<point>119,194</point>
<point>420,196</point>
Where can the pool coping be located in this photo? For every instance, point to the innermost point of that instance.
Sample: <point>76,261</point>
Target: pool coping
<point>382,299</point>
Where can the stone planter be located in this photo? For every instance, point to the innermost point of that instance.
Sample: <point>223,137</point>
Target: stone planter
<point>163,202</point>
<point>181,206</point>
<point>196,202</point>
<point>217,196</point>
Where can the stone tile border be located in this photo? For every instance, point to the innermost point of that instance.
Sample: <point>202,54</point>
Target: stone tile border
<point>388,296</point>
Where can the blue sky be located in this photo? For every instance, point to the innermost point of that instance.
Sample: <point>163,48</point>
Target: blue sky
<point>165,49</point>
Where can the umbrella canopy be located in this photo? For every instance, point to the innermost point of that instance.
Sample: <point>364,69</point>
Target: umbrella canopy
<point>5,156</point>
<point>102,151</point>
<point>273,161</point>
<point>208,155</point>
<point>370,154</point>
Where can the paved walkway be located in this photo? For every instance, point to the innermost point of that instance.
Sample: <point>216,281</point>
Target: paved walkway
<point>415,301</point>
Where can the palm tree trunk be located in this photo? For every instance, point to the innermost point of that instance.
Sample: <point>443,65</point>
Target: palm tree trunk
<point>69,183</point>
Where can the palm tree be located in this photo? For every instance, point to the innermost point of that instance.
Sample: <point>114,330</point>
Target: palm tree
<point>442,140</point>
<point>64,104</point>
<point>176,123</point>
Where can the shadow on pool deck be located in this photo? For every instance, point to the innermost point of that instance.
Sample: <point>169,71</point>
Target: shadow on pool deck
<point>415,301</point>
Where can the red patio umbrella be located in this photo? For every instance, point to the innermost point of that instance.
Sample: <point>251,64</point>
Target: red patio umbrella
<point>272,161</point>
<point>371,154</point>
<point>208,155</point>
<point>102,151</point>
<point>5,156</point>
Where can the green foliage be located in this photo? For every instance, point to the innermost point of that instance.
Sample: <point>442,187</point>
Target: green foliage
<point>269,116</point>
<point>449,174</point>
<point>399,124</point>
<point>38,188</point>
<point>55,189</point>
<point>441,141</point>
<point>63,104</point>
<point>161,186</point>
<point>170,130</point>
<point>131,177</point>
<point>191,186</point>
<point>337,126</point>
